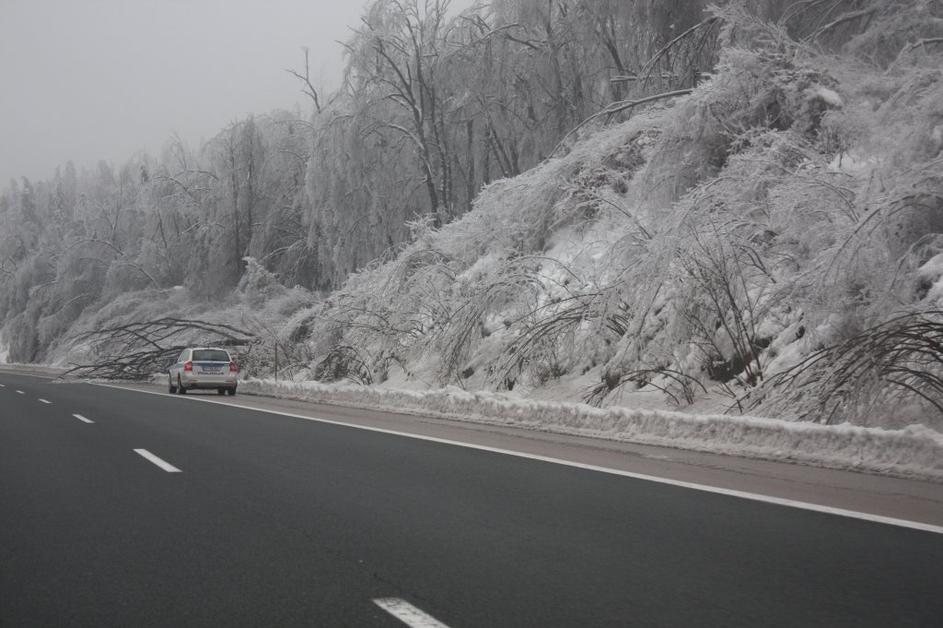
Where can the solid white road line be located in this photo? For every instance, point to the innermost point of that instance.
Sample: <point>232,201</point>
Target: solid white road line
<point>407,613</point>
<point>44,401</point>
<point>163,464</point>
<point>82,418</point>
<point>759,497</point>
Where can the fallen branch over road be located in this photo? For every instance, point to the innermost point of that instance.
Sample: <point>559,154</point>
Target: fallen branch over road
<point>134,351</point>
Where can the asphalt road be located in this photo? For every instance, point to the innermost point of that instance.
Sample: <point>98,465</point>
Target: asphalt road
<point>277,521</point>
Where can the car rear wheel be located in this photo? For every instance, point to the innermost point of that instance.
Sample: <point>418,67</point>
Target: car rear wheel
<point>170,385</point>
<point>180,388</point>
<point>232,391</point>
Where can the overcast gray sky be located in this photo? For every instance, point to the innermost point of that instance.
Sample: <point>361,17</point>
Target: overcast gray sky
<point>101,79</point>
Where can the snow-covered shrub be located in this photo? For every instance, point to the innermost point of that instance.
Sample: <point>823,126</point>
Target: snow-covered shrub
<point>889,374</point>
<point>258,285</point>
<point>898,29</point>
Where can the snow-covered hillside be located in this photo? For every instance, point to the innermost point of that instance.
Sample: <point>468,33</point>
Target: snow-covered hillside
<point>768,242</point>
<point>791,203</point>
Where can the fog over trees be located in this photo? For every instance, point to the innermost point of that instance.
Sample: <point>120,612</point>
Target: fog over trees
<point>652,194</point>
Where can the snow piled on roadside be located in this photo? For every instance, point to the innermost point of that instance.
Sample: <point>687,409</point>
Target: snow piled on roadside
<point>42,369</point>
<point>914,451</point>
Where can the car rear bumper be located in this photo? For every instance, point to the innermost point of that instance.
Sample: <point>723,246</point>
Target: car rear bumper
<point>209,381</point>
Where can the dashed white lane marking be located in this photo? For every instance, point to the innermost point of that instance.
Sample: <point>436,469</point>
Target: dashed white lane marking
<point>3,385</point>
<point>163,464</point>
<point>82,418</point>
<point>20,392</point>
<point>407,613</point>
<point>758,497</point>
<point>44,401</point>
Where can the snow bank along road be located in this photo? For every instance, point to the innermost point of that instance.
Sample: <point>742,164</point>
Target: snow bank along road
<point>125,508</point>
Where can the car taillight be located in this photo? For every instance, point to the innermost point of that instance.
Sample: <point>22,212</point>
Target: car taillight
<point>233,367</point>
<point>188,367</point>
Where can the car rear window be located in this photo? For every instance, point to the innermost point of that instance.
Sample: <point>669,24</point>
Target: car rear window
<point>210,355</point>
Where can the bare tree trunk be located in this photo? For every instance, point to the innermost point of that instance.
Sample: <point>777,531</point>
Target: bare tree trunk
<point>237,245</point>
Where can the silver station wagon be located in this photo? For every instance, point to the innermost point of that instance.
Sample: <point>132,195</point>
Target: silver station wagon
<point>204,368</point>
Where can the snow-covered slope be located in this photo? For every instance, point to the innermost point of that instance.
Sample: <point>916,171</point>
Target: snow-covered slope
<point>770,244</point>
<point>792,203</point>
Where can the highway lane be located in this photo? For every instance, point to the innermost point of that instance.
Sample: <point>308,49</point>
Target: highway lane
<point>95,535</point>
<point>280,521</point>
